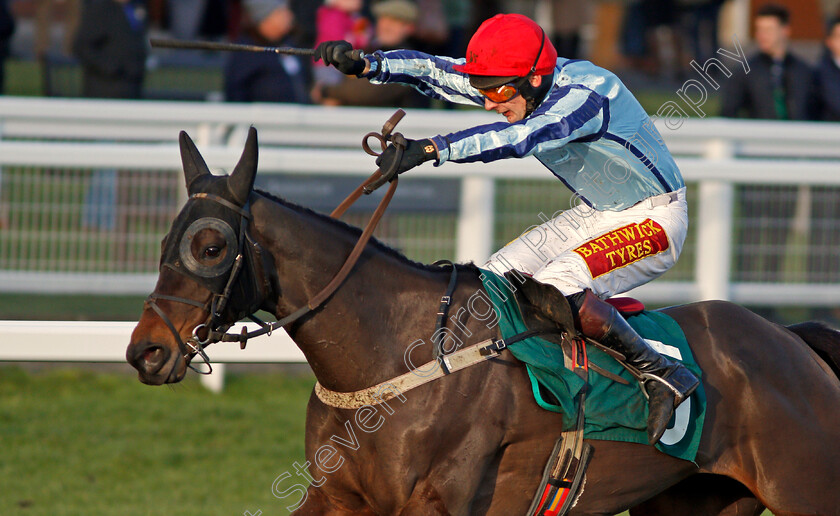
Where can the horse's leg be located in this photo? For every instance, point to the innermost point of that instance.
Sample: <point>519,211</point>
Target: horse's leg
<point>622,475</point>
<point>619,476</point>
<point>318,504</point>
<point>772,418</point>
<point>702,495</point>
<point>511,480</point>
<point>425,500</point>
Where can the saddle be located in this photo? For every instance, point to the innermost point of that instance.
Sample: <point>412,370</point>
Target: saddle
<point>552,304</point>
<point>545,309</point>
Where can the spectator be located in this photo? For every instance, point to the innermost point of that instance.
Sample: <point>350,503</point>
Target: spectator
<point>110,44</point>
<point>823,262</point>
<point>45,12</point>
<point>264,77</point>
<point>395,23</point>
<point>649,36</point>
<point>305,12</point>
<point>7,28</point>
<point>569,17</point>
<point>394,28</point>
<point>779,84</point>
<point>431,28</point>
<point>699,22</point>
<point>339,20</point>
<point>828,75</point>
<point>459,15</point>
<point>196,19</point>
<point>185,18</point>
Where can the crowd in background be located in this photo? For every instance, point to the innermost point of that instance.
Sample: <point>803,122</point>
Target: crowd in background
<point>657,39</point>
<point>109,39</point>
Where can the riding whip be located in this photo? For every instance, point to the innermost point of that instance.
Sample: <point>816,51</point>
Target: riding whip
<point>239,47</point>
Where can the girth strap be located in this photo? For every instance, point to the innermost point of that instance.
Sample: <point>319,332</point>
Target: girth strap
<point>562,481</point>
<point>445,302</point>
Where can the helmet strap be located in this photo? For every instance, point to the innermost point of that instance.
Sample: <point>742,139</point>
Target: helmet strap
<point>534,96</point>
<point>539,52</point>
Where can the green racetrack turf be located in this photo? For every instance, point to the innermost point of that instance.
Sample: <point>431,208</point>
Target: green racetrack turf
<point>77,442</point>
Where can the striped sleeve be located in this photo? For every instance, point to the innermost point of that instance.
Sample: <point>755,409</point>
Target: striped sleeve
<point>432,76</point>
<point>569,113</point>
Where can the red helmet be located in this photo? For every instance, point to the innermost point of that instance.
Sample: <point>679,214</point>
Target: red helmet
<point>508,45</point>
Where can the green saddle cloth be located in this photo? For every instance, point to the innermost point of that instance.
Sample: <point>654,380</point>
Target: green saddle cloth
<point>613,411</point>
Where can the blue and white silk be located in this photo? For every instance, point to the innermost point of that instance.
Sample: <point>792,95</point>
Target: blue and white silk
<point>594,136</point>
<point>589,131</point>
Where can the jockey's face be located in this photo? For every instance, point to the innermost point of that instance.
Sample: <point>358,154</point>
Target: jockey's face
<point>515,108</point>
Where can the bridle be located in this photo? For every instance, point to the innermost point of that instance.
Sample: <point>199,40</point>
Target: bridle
<point>218,302</point>
<point>216,331</point>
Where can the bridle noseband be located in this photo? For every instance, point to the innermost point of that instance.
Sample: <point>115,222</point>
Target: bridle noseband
<point>215,331</point>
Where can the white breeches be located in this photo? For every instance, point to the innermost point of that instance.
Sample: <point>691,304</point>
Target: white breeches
<point>609,252</point>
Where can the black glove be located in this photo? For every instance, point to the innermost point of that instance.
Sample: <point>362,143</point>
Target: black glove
<point>416,152</point>
<point>340,54</point>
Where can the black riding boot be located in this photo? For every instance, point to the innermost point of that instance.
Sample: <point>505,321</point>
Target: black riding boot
<point>667,382</point>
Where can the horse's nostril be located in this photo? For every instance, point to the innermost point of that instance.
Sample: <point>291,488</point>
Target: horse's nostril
<point>153,354</point>
<point>149,357</point>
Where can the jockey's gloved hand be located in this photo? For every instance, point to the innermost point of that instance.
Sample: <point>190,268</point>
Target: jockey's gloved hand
<point>340,54</point>
<point>416,152</point>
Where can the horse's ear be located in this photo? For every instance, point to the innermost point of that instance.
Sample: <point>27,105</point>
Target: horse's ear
<point>194,164</point>
<point>241,180</point>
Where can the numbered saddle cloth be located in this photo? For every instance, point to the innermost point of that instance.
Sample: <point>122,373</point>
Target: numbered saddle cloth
<point>613,411</point>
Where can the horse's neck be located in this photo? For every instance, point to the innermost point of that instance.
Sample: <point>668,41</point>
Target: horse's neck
<point>359,335</point>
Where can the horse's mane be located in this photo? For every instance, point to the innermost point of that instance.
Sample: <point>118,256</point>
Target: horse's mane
<point>356,232</point>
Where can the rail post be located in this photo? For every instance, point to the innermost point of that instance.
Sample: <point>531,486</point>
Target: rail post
<point>714,227</point>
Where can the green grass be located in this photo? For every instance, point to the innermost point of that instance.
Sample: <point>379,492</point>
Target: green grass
<point>77,442</point>
<point>84,443</point>
<point>652,100</point>
<point>25,78</point>
<point>39,307</point>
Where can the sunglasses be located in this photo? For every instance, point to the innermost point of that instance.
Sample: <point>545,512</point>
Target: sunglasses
<point>503,93</point>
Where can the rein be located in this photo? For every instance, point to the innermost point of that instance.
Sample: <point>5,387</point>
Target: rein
<point>218,333</point>
<point>377,179</point>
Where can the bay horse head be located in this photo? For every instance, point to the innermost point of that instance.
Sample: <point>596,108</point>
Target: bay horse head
<point>211,271</point>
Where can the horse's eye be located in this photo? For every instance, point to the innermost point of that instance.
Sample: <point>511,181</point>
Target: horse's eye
<point>212,252</point>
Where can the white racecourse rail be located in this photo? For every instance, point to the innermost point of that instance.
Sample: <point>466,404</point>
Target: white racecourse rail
<point>715,156</point>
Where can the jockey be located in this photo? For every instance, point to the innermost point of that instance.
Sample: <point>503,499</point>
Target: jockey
<point>586,127</point>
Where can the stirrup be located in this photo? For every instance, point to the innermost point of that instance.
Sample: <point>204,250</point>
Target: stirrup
<point>681,389</point>
<point>658,420</point>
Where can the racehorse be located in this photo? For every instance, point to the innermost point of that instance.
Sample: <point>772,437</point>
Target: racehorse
<point>475,441</point>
